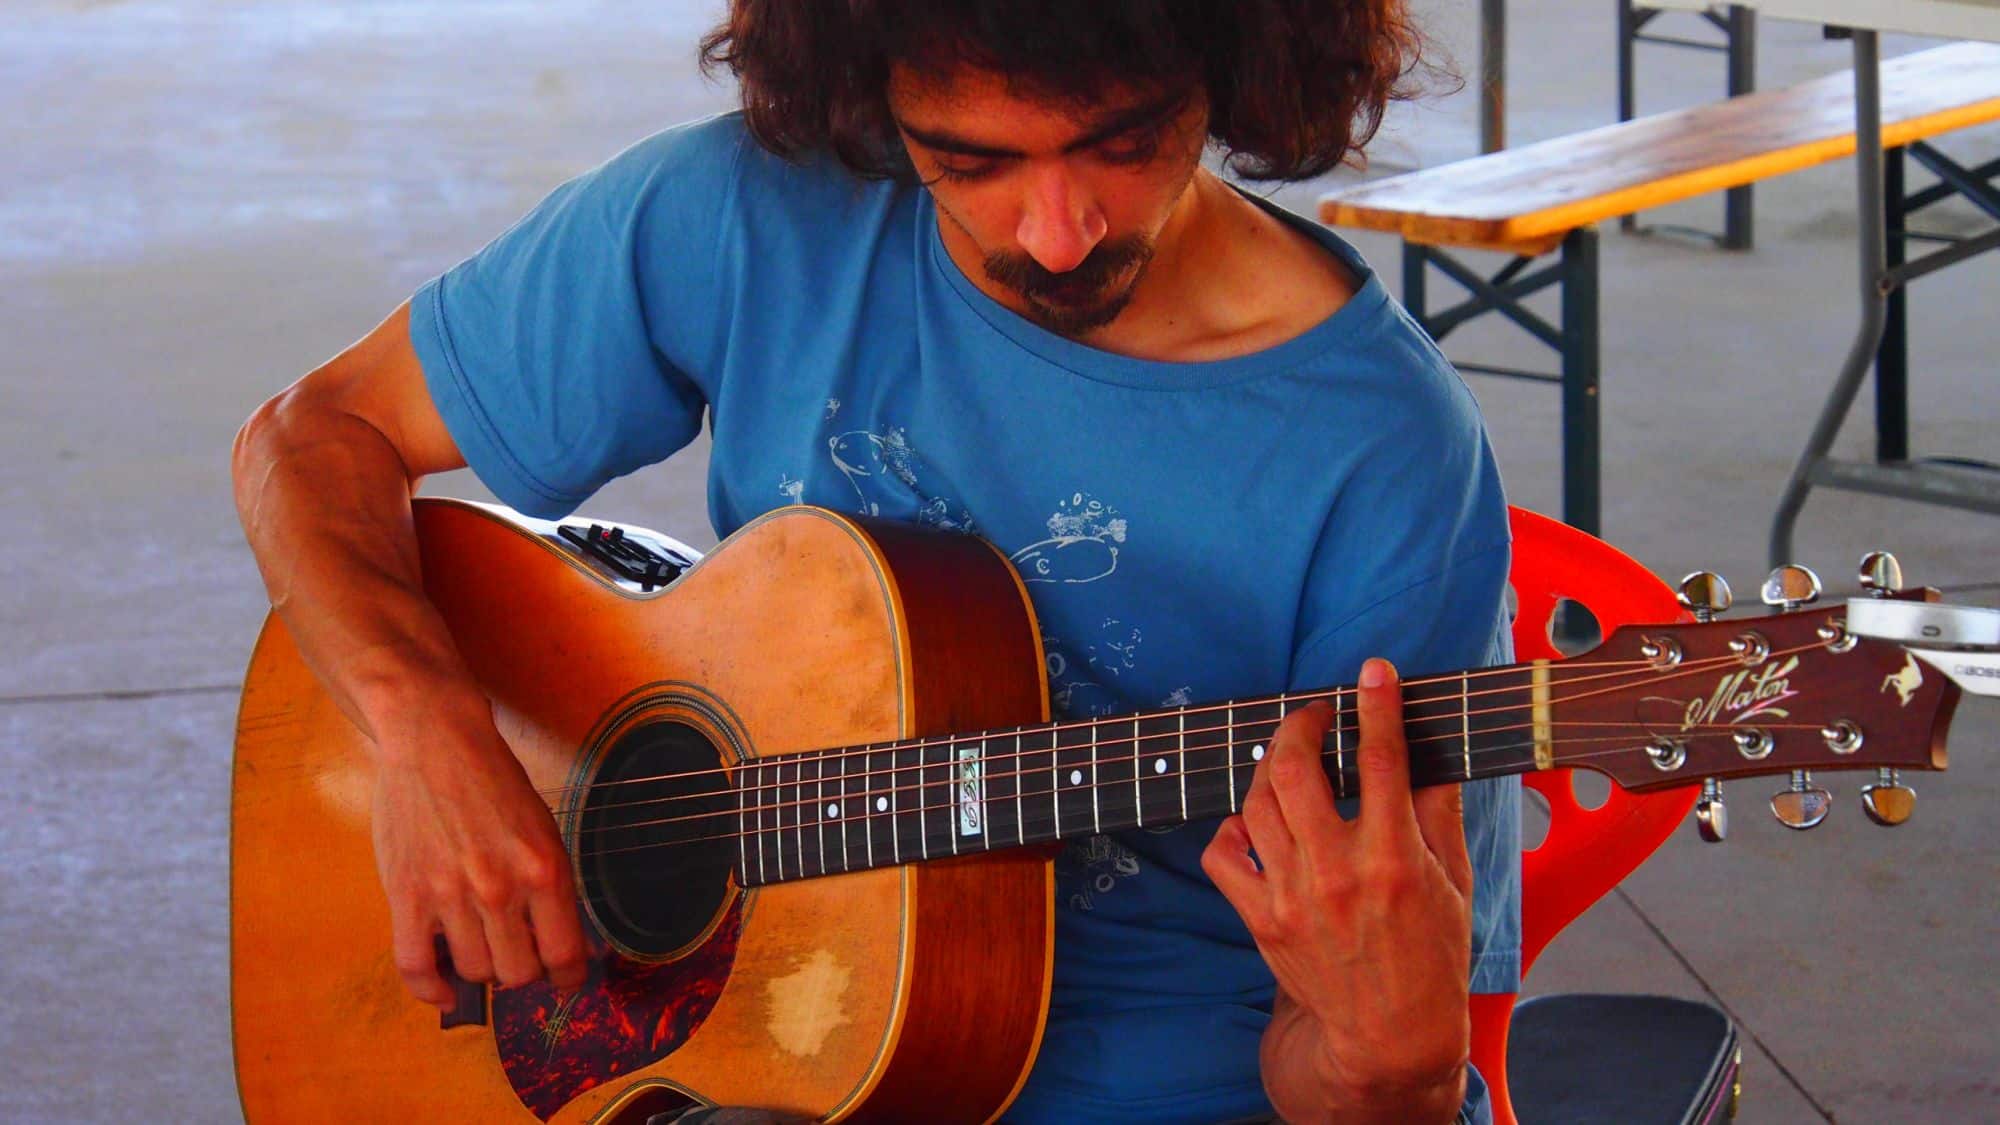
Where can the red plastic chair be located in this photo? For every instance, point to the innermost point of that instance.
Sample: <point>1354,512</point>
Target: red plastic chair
<point>1587,851</point>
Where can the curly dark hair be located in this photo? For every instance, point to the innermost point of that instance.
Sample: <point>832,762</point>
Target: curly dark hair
<point>1294,87</point>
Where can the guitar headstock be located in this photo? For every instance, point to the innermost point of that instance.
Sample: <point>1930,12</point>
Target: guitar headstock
<point>1799,690</point>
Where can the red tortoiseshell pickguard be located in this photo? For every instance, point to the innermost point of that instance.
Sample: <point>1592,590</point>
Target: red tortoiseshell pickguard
<point>630,1015</point>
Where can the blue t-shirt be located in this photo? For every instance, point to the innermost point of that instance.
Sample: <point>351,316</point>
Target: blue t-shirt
<point>1187,531</point>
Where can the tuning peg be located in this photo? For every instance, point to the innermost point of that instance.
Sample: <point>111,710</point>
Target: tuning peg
<point>1711,816</point>
<point>1881,574</point>
<point>1802,805</point>
<point>1791,586</point>
<point>1888,802</point>
<point>1704,594</point>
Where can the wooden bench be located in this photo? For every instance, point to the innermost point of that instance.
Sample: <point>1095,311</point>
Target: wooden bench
<point>1542,198</point>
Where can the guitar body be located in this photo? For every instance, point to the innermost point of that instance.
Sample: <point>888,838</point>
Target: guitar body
<point>896,994</point>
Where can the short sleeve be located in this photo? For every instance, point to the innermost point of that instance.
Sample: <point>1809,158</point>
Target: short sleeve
<point>574,348</point>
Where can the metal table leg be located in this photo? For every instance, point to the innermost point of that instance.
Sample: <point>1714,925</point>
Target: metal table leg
<point>1492,75</point>
<point>1874,264</point>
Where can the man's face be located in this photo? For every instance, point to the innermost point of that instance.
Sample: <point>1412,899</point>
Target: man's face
<point>1060,207</point>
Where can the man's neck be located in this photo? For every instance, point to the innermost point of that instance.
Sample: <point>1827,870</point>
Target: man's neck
<point>1227,279</point>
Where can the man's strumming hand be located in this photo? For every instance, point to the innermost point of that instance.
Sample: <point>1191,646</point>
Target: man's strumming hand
<point>466,849</point>
<point>1366,923</point>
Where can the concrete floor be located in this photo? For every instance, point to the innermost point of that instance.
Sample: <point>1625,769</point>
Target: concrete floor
<point>205,198</point>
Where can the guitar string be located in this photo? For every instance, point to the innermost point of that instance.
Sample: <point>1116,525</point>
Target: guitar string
<point>1452,704</point>
<point>1251,731</point>
<point>1557,670</point>
<point>1119,783</point>
<point>1053,819</point>
<point>926,742</point>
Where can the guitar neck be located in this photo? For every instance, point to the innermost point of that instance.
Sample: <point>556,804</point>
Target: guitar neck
<point>825,812</point>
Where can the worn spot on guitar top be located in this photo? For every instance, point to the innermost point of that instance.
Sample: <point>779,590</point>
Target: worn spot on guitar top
<point>805,1005</point>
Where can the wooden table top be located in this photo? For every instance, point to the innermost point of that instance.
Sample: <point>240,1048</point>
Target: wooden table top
<point>1525,199</point>
<point>1945,19</point>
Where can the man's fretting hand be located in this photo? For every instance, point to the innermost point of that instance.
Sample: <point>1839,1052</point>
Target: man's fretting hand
<point>465,848</point>
<point>1366,923</point>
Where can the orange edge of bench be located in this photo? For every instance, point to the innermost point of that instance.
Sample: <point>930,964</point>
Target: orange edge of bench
<point>1539,232</point>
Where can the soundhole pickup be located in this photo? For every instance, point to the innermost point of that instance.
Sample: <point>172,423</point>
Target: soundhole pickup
<point>627,557</point>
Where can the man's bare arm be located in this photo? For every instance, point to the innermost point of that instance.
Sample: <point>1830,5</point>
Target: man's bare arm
<point>324,473</point>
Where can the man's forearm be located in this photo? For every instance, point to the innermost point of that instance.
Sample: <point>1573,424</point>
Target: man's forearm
<point>325,503</point>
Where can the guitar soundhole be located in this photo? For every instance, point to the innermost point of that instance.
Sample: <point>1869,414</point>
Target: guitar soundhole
<point>656,840</point>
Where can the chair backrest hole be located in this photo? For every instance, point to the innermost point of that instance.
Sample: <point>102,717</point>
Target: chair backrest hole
<point>1592,789</point>
<point>1572,628</point>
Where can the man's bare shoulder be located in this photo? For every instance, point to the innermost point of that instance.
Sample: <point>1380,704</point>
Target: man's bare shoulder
<point>1263,282</point>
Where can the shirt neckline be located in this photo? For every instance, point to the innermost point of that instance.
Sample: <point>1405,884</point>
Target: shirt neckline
<point>1342,325</point>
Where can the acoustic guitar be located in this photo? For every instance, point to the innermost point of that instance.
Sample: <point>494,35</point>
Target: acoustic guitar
<point>810,787</point>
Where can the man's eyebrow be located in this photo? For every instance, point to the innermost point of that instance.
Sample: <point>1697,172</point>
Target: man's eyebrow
<point>1143,115</point>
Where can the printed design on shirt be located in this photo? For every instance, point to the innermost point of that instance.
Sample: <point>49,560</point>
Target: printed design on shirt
<point>1084,536</point>
<point>793,488</point>
<point>885,471</point>
<point>1091,866</point>
<point>1083,677</point>
<point>832,408</point>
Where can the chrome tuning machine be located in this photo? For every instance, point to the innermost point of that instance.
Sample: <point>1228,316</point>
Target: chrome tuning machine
<point>1881,574</point>
<point>1711,816</point>
<point>1791,586</point>
<point>1802,804</point>
<point>1888,802</point>
<point>1705,595</point>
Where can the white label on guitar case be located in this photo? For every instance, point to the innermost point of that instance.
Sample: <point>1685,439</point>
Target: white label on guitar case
<point>971,792</point>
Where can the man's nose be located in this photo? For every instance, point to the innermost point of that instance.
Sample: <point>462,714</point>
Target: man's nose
<point>1060,221</point>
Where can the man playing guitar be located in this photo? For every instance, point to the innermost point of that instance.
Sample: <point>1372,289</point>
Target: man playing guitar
<point>962,265</point>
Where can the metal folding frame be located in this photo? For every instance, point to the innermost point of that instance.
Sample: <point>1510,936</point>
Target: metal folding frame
<point>1892,359</point>
<point>1575,342</point>
<point>1738,25</point>
<point>1945,482</point>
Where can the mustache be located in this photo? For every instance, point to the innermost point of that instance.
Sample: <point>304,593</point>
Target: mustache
<point>1024,275</point>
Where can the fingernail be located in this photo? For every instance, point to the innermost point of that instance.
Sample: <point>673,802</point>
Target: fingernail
<point>1375,672</point>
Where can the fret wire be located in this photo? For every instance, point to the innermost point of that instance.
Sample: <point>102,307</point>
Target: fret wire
<point>798,810</point>
<point>923,816</point>
<point>1229,739</point>
<point>1339,749</point>
<point>953,796</point>
<point>1138,806</point>
<point>1465,723</point>
<point>776,795</point>
<point>895,814</point>
<point>819,809</point>
<point>840,820</point>
<point>1181,723</point>
<point>742,827</point>
<point>868,801</point>
<point>1096,741</point>
<point>1020,787</point>
<point>778,814</point>
<point>1055,785</point>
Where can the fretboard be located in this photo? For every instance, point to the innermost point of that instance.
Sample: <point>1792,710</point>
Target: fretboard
<point>853,808</point>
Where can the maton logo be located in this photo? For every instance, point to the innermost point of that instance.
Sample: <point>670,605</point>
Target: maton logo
<point>1749,693</point>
